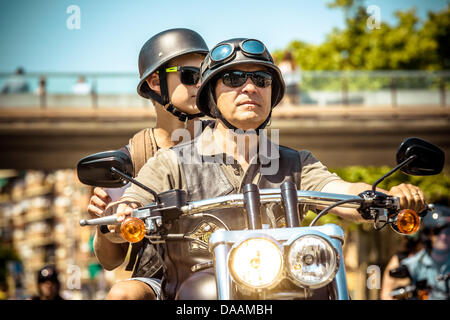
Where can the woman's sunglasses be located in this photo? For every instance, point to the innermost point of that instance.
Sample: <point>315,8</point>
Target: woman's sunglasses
<point>188,75</point>
<point>236,78</point>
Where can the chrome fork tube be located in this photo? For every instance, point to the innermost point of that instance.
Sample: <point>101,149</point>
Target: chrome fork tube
<point>223,279</point>
<point>341,278</point>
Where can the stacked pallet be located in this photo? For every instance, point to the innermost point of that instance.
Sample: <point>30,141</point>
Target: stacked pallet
<point>39,215</point>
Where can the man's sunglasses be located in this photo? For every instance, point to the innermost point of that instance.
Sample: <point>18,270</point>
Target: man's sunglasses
<point>188,75</point>
<point>436,231</point>
<point>236,78</point>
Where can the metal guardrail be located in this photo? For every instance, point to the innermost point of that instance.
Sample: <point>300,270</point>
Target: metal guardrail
<point>390,82</point>
<point>322,88</point>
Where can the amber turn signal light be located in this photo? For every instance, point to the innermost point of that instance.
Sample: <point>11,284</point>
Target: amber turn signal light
<point>408,221</point>
<point>133,229</point>
<point>422,294</point>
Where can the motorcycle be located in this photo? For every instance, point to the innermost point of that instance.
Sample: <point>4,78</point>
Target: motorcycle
<point>418,291</point>
<point>259,262</point>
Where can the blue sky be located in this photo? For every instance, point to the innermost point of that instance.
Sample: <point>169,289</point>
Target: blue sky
<point>34,33</point>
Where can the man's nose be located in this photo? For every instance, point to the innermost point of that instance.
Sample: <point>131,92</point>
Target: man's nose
<point>249,86</point>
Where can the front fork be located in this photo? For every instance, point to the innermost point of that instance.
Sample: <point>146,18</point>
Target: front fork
<point>341,277</point>
<point>223,278</point>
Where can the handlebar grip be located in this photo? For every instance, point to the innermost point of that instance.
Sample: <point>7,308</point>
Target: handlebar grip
<point>252,203</point>
<point>290,201</point>
<point>99,221</point>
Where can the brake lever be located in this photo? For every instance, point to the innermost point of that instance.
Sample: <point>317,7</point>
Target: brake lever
<point>428,209</point>
<point>376,201</point>
<point>368,206</point>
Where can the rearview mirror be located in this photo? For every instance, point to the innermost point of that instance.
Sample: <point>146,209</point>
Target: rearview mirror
<point>95,169</point>
<point>429,159</point>
<point>400,272</point>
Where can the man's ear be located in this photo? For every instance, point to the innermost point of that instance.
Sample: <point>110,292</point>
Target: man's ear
<point>153,83</point>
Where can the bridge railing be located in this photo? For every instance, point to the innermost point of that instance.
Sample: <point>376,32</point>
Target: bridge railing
<point>375,88</point>
<point>316,88</point>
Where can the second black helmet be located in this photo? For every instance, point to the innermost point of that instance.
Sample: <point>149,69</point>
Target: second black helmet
<point>163,47</point>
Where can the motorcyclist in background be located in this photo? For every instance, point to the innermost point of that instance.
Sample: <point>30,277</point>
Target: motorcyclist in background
<point>433,262</point>
<point>48,284</point>
<point>240,87</point>
<point>411,244</point>
<point>169,77</point>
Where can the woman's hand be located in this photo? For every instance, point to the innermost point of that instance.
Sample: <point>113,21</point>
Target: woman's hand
<point>98,203</point>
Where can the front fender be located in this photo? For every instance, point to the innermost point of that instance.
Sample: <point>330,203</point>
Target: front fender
<point>201,285</point>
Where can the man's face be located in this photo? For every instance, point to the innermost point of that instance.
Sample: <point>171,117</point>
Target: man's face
<point>48,289</point>
<point>441,241</point>
<point>247,106</point>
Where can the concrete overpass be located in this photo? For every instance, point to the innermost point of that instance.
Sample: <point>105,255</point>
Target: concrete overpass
<point>56,138</point>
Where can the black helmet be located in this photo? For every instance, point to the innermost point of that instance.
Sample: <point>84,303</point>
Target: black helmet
<point>158,51</point>
<point>230,53</point>
<point>438,217</point>
<point>433,223</point>
<point>47,273</point>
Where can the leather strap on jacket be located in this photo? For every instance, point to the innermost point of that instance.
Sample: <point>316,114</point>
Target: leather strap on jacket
<point>165,99</point>
<point>142,147</point>
<point>182,116</point>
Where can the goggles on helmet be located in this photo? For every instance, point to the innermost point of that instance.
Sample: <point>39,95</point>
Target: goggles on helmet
<point>236,78</point>
<point>47,273</point>
<point>188,75</point>
<point>224,52</point>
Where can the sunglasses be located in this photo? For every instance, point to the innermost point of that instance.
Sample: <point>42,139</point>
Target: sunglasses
<point>249,47</point>
<point>188,75</point>
<point>436,231</point>
<point>236,78</point>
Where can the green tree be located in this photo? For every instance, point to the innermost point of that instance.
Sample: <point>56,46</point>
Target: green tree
<point>437,30</point>
<point>436,188</point>
<point>346,5</point>
<point>410,44</point>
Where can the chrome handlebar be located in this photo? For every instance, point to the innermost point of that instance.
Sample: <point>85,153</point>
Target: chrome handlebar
<point>237,200</point>
<point>267,196</point>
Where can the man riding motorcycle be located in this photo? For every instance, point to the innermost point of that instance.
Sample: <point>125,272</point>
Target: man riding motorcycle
<point>432,264</point>
<point>240,87</point>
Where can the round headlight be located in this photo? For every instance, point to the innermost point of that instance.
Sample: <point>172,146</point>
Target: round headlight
<point>312,261</point>
<point>256,263</point>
